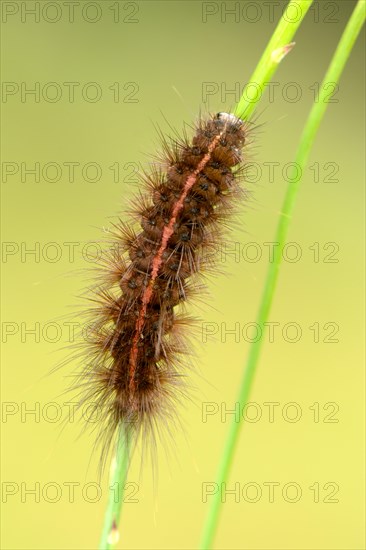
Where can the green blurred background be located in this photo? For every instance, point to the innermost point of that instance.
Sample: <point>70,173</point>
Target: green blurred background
<point>135,66</point>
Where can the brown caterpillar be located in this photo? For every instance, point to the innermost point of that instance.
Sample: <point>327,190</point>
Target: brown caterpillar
<point>135,373</point>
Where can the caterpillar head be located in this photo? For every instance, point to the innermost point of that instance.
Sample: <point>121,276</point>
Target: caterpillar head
<point>229,118</point>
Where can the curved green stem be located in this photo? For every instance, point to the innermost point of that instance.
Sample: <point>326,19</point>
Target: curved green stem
<point>118,476</point>
<point>276,49</point>
<point>316,114</point>
<point>278,46</point>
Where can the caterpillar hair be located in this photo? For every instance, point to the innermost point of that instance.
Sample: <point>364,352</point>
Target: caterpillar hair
<point>137,343</point>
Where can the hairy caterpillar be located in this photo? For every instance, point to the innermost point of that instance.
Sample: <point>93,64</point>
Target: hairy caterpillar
<point>136,345</point>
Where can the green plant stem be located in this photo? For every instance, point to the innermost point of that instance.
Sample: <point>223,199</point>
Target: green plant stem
<point>276,49</point>
<point>278,46</point>
<point>117,481</point>
<point>316,114</point>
